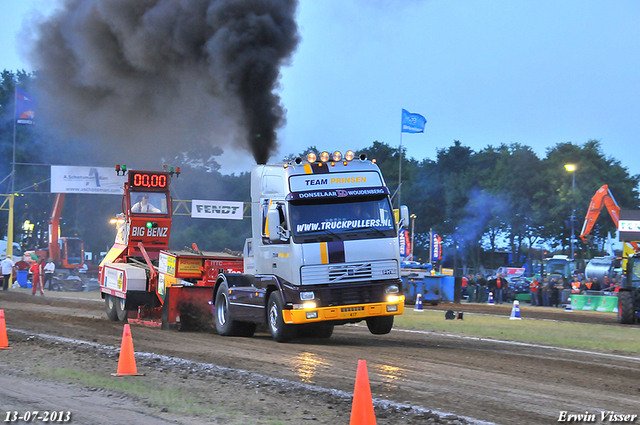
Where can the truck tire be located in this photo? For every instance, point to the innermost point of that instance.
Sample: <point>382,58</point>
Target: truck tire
<point>626,312</point>
<point>280,331</point>
<point>110,307</point>
<point>224,325</point>
<point>121,313</point>
<point>380,325</point>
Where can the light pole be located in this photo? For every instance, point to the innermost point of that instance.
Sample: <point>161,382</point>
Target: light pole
<point>572,169</point>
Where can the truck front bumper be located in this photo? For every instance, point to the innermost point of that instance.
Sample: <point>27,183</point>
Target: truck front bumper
<point>353,312</point>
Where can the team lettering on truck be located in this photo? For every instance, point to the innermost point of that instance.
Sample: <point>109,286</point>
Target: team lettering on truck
<point>335,180</point>
<point>160,232</point>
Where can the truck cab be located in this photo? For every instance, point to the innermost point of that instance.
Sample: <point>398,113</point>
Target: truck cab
<point>561,267</point>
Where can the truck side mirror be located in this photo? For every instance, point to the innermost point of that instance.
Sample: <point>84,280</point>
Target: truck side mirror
<point>404,216</point>
<point>277,233</point>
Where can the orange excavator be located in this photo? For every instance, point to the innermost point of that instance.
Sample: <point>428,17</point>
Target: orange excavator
<point>602,198</point>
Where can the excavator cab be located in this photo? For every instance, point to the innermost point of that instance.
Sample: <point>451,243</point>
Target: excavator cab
<point>71,252</point>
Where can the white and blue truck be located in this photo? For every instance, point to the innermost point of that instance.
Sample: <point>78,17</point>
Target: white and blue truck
<point>324,251</point>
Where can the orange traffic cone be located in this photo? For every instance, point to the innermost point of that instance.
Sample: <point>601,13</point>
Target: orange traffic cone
<point>362,408</point>
<point>127,360</point>
<point>4,342</point>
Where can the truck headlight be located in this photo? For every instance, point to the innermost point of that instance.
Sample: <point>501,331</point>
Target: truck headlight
<point>391,289</point>
<point>394,298</point>
<point>307,296</point>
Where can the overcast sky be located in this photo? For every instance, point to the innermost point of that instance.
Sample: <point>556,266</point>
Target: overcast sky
<point>482,72</point>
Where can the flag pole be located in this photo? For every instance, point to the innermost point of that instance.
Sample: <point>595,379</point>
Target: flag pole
<point>13,175</point>
<point>15,113</point>
<point>400,164</point>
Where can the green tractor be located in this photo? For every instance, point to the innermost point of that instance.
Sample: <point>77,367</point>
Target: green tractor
<point>629,295</point>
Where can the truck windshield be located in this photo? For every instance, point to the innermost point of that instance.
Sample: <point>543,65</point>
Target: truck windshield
<point>557,267</point>
<point>342,220</point>
<point>635,274</point>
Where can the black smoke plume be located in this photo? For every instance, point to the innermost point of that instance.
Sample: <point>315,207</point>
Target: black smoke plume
<point>149,77</point>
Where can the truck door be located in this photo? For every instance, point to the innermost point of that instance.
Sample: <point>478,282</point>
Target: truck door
<point>276,241</point>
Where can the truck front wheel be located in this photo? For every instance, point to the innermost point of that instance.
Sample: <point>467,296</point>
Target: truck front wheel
<point>626,313</point>
<point>224,325</point>
<point>380,325</point>
<point>110,307</point>
<point>280,331</point>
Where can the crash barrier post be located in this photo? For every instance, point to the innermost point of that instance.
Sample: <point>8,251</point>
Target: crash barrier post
<point>4,341</point>
<point>418,306</point>
<point>127,359</point>
<point>362,408</point>
<point>515,311</point>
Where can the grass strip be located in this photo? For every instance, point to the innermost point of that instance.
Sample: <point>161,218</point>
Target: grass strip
<point>610,339</point>
<point>174,399</point>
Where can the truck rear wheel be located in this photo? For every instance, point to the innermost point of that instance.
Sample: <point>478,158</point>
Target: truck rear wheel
<point>121,313</point>
<point>626,312</point>
<point>380,325</point>
<point>110,307</point>
<point>224,325</point>
<point>280,331</point>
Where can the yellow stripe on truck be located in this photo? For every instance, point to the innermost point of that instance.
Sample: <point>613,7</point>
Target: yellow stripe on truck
<point>307,169</point>
<point>354,311</point>
<point>324,253</point>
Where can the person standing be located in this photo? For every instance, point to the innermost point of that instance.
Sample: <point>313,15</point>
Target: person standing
<point>555,292</point>
<point>502,284</point>
<point>36,269</point>
<point>471,288</point>
<point>533,287</point>
<point>575,285</point>
<point>546,291</point>
<point>7,272</point>
<point>482,295</point>
<point>492,285</point>
<point>48,270</point>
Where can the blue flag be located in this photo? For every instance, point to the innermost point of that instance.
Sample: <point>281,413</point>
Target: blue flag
<point>24,107</point>
<point>412,123</point>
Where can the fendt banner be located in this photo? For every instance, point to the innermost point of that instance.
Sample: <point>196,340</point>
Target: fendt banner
<point>217,209</point>
<point>86,180</point>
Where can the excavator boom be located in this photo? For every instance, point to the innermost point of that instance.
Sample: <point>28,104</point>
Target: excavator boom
<point>602,198</point>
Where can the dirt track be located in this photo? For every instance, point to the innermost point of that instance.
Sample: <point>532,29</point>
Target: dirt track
<point>415,377</point>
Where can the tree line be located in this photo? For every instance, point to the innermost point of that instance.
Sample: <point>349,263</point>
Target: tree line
<point>500,198</point>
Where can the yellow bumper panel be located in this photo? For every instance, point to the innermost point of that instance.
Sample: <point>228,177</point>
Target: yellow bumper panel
<point>354,311</point>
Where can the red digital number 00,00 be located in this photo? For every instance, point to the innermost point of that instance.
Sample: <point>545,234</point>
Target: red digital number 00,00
<point>150,180</point>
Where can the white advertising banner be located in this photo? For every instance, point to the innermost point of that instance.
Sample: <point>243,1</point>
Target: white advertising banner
<point>217,209</point>
<point>96,180</point>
